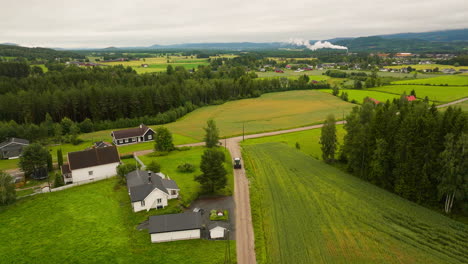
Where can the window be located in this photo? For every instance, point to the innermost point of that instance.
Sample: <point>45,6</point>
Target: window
<point>150,136</point>
<point>90,173</point>
<point>173,192</point>
<point>119,141</point>
<point>126,140</point>
<point>133,139</point>
<point>143,203</point>
<point>159,200</point>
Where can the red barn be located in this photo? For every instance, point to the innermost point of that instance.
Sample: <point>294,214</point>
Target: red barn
<point>410,98</point>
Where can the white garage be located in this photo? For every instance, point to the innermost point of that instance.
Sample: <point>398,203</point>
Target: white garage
<point>217,230</point>
<point>172,227</point>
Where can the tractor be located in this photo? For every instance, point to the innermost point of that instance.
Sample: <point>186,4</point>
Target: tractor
<point>237,163</point>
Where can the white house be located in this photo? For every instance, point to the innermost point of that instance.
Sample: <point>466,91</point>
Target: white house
<point>91,164</point>
<point>150,190</point>
<point>172,227</point>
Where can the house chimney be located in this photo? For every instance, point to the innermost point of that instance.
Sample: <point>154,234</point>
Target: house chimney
<point>149,177</point>
<point>141,125</point>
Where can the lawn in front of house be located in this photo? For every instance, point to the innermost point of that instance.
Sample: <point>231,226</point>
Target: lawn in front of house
<point>92,223</point>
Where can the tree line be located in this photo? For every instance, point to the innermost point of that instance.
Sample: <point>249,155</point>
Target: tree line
<point>409,148</point>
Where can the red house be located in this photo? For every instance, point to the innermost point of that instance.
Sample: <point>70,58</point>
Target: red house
<point>410,98</point>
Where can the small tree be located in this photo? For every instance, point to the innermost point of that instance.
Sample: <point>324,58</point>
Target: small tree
<point>59,158</point>
<point>163,140</point>
<point>328,139</point>
<point>124,169</point>
<point>58,181</point>
<point>154,166</point>
<point>50,164</point>
<point>33,159</point>
<point>212,134</point>
<point>214,173</point>
<point>7,189</point>
<point>336,90</point>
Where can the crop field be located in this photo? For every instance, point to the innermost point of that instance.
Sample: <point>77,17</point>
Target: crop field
<point>158,64</point>
<point>359,95</point>
<point>427,66</point>
<point>189,188</point>
<point>272,111</point>
<point>439,94</point>
<point>442,80</point>
<point>92,223</point>
<point>308,140</point>
<point>305,211</point>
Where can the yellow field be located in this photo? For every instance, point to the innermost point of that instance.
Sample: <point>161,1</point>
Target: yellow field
<point>271,111</point>
<point>427,66</point>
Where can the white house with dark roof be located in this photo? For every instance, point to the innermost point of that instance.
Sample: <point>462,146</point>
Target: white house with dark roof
<point>172,227</point>
<point>12,148</point>
<point>132,135</point>
<point>149,190</point>
<point>91,164</point>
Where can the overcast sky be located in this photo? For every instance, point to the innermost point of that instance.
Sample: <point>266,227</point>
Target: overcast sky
<point>104,23</point>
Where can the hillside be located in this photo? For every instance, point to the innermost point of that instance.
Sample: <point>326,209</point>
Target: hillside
<point>305,211</point>
<point>36,53</point>
<point>441,35</point>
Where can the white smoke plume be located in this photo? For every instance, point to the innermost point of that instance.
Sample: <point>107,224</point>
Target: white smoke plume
<point>317,45</point>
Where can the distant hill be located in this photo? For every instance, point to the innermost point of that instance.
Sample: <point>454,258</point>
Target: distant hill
<point>444,35</point>
<point>36,53</point>
<point>223,46</point>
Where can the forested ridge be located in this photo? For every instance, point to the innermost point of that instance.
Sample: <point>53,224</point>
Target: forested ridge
<point>113,97</point>
<point>412,149</point>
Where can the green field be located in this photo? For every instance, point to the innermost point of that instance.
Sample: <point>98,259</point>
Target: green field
<point>272,111</point>
<point>440,94</point>
<point>305,211</point>
<point>461,80</point>
<point>426,66</point>
<point>189,188</point>
<point>158,64</point>
<point>359,95</point>
<point>93,223</point>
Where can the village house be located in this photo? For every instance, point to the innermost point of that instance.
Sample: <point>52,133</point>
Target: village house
<point>149,190</point>
<point>172,227</point>
<point>12,148</point>
<point>91,164</point>
<point>132,135</point>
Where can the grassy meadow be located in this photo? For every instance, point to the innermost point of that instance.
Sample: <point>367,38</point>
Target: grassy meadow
<point>439,94</point>
<point>451,80</point>
<point>92,223</point>
<point>426,66</point>
<point>189,188</point>
<point>359,95</point>
<point>305,211</point>
<point>272,111</point>
<point>158,64</point>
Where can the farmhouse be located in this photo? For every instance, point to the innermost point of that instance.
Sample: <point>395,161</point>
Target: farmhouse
<point>91,164</point>
<point>172,227</point>
<point>12,148</point>
<point>132,135</point>
<point>150,190</point>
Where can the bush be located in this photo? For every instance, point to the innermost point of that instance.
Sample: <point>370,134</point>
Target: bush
<point>58,181</point>
<point>214,215</point>
<point>154,167</point>
<point>127,156</point>
<point>183,148</point>
<point>186,168</point>
<point>160,153</point>
<point>298,146</point>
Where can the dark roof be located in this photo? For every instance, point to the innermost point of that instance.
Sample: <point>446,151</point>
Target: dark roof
<point>174,222</point>
<point>139,186</point>
<point>102,144</point>
<point>218,223</point>
<point>9,141</point>
<point>66,169</point>
<point>93,157</point>
<point>131,132</point>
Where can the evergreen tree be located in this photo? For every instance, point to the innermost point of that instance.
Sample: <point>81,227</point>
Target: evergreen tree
<point>58,181</point>
<point>163,140</point>
<point>328,139</point>
<point>7,189</point>
<point>212,134</point>
<point>33,159</point>
<point>214,174</point>
<point>59,158</point>
<point>50,165</point>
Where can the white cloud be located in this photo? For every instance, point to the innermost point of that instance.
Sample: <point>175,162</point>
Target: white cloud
<point>102,23</point>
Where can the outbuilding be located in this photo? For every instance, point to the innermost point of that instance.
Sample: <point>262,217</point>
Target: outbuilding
<point>173,227</point>
<point>218,230</point>
<point>12,148</point>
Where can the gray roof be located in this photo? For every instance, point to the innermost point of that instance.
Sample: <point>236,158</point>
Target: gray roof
<point>174,222</point>
<point>139,186</point>
<point>17,141</point>
<point>224,225</point>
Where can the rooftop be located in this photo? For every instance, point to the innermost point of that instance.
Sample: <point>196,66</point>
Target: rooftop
<point>131,132</point>
<point>174,222</point>
<point>93,157</point>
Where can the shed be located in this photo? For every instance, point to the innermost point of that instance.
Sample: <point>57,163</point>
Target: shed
<point>173,227</point>
<point>218,230</point>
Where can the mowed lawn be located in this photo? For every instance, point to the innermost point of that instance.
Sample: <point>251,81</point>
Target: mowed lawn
<point>439,94</point>
<point>461,80</point>
<point>359,95</point>
<point>305,211</point>
<point>92,223</point>
<point>272,111</point>
<point>189,188</point>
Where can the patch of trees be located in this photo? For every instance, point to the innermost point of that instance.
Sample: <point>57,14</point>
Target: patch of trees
<point>7,189</point>
<point>14,69</point>
<point>411,149</point>
<point>36,53</point>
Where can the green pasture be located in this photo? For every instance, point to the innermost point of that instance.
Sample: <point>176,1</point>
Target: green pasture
<point>439,94</point>
<point>359,95</point>
<point>92,223</point>
<point>272,111</point>
<point>427,66</point>
<point>189,188</point>
<point>461,80</point>
<point>305,211</point>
